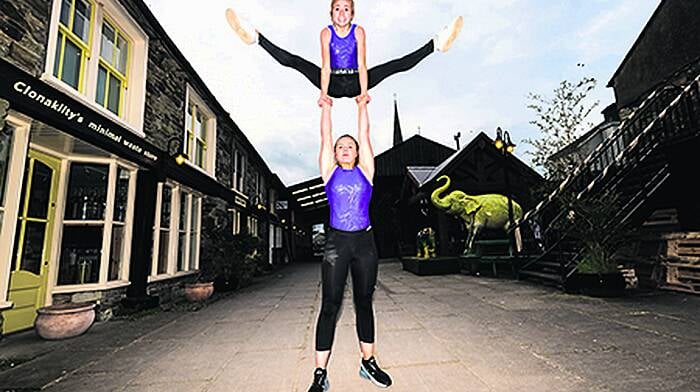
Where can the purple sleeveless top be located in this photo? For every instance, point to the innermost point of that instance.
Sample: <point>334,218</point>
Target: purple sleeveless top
<point>343,50</point>
<point>349,193</point>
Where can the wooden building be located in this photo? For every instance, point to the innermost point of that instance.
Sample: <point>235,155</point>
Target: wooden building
<point>478,168</point>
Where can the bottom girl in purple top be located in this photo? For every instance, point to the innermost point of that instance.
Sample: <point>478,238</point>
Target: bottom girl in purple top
<point>347,169</point>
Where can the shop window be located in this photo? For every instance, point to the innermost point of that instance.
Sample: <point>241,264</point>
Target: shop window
<point>194,232</point>
<point>200,127</point>
<point>163,230</point>
<point>121,199</point>
<point>5,148</point>
<point>253,226</point>
<point>94,237</point>
<point>83,224</point>
<point>177,231</point>
<point>236,222</point>
<point>182,237</point>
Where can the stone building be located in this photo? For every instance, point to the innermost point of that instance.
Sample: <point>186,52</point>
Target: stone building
<point>93,204</point>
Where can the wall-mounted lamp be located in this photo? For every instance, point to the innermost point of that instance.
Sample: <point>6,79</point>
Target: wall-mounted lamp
<point>179,156</point>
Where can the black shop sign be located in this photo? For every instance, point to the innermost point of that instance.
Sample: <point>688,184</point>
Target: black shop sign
<point>37,99</point>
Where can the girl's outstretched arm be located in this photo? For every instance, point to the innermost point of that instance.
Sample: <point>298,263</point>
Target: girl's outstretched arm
<point>326,66</point>
<point>366,152</point>
<point>326,157</point>
<point>362,61</point>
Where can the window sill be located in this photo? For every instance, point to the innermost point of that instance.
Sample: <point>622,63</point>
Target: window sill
<point>192,165</point>
<point>239,193</point>
<point>58,84</point>
<point>81,288</point>
<point>163,277</point>
<point>6,305</point>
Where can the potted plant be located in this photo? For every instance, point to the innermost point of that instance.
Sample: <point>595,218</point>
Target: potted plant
<point>64,321</point>
<point>589,221</point>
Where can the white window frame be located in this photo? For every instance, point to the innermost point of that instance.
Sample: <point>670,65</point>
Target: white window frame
<point>209,123</point>
<point>135,95</point>
<point>174,232</point>
<point>236,221</point>
<point>13,188</point>
<point>239,177</point>
<point>253,226</point>
<point>107,224</point>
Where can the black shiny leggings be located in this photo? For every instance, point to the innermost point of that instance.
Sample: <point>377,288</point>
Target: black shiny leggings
<point>345,85</point>
<point>355,251</point>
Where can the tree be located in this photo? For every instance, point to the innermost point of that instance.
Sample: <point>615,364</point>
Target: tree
<point>561,120</point>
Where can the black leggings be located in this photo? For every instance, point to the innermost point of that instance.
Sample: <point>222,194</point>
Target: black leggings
<point>345,85</point>
<point>356,251</point>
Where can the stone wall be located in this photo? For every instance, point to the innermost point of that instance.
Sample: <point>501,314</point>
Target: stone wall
<point>108,301</point>
<point>170,290</point>
<point>24,30</point>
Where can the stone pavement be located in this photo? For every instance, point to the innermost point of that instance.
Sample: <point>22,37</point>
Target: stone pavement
<point>442,333</point>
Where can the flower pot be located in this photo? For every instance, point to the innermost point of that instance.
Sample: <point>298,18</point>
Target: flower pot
<point>64,321</point>
<point>198,292</point>
<point>596,285</point>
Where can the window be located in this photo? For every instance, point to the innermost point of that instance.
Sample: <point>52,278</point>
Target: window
<point>96,225</point>
<point>112,71</point>
<point>194,232</point>
<point>97,50</point>
<point>199,132</point>
<point>176,231</point>
<point>238,171</point>
<point>121,199</point>
<point>162,231</point>
<point>5,148</point>
<point>253,226</point>
<point>73,42</point>
<point>273,200</point>
<point>236,220</point>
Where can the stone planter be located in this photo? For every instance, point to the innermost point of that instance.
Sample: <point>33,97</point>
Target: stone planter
<point>198,292</point>
<point>64,321</point>
<point>596,285</point>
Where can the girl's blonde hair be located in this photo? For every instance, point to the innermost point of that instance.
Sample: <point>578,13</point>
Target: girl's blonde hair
<point>352,6</point>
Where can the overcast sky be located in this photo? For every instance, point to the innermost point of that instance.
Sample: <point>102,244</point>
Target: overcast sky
<point>507,48</point>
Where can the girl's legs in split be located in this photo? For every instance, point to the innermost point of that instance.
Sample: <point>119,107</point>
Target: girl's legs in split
<point>310,70</point>
<point>380,72</point>
<point>345,85</point>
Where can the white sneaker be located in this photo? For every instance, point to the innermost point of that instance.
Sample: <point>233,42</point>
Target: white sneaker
<point>244,29</point>
<point>443,40</point>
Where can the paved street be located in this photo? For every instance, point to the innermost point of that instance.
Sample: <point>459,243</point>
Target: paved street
<point>443,333</point>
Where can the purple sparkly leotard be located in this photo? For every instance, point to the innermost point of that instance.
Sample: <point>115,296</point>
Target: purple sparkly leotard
<point>343,50</point>
<point>349,193</point>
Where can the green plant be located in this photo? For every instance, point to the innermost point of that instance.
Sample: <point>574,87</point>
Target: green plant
<point>561,119</point>
<point>591,221</point>
<point>228,257</point>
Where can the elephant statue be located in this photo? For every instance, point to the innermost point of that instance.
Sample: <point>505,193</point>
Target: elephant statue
<point>425,243</point>
<point>477,212</point>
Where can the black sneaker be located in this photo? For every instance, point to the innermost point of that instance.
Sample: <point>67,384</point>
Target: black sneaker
<point>320,383</point>
<point>371,371</point>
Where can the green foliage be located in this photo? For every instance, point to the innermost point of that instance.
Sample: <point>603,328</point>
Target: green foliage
<point>561,120</point>
<point>233,257</point>
<point>590,221</point>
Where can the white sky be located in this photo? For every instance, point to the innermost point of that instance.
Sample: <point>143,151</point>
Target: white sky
<point>507,48</point>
